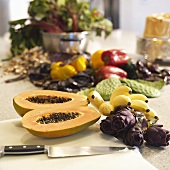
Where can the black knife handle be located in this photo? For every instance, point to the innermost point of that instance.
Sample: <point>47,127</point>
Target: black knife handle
<point>24,149</point>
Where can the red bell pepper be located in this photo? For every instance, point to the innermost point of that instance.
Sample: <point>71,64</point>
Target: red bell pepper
<point>105,72</point>
<point>115,57</point>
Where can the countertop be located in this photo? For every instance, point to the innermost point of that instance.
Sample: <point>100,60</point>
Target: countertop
<point>159,157</point>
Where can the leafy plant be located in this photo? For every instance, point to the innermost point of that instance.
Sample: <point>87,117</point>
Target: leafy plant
<point>50,16</point>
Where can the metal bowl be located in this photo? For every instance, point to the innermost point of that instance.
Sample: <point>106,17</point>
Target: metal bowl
<point>66,42</point>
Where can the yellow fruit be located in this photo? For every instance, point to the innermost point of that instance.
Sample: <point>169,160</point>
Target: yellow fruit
<point>95,99</point>
<point>121,100</point>
<point>80,64</point>
<point>57,64</point>
<point>151,115</point>
<point>121,90</point>
<point>57,73</point>
<point>60,72</point>
<point>140,105</point>
<point>69,70</point>
<point>96,59</point>
<point>105,108</point>
<point>139,97</point>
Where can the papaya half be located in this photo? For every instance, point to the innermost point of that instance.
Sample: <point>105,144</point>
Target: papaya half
<point>30,100</point>
<point>59,121</point>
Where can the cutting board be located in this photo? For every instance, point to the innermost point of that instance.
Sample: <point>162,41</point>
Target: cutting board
<point>12,133</point>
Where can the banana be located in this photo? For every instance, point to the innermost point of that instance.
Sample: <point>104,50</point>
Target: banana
<point>139,97</point>
<point>151,115</point>
<point>121,100</point>
<point>121,90</point>
<point>95,99</point>
<point>139,105</point>
<point>105,108</point>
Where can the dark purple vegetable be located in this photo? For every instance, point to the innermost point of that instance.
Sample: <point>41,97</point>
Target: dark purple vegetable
<point>74,84</point>
<point>157,136</point>
<point>122,120</point>
<point>118,122</point>
<point>151,72</point>
<point>132,128</point>
<point>40,74</point>
<point>105,127</point>
<point>134,137</point>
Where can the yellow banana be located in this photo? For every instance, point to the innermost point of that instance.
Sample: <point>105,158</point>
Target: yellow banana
<point>121,100</point>
<point>95,99</point>
<point>105,108</point>
<point>139,97</point>
<point>121,90</point>
<point>139,105</point>
<point>151,115</point>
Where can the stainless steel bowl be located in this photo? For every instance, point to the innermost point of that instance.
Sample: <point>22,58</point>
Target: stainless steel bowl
<point>66,42</point>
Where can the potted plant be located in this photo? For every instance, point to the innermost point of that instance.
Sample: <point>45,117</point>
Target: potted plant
<point>51,21</point>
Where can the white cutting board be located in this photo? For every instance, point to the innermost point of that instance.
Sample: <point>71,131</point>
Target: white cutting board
<point>12,133</point>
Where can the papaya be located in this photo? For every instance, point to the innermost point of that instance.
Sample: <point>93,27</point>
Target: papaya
<point>30,100</point>
<point>59,121</point>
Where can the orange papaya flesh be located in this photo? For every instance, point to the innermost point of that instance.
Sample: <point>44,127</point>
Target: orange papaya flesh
<point>30,100</point>
<point>60,121</point>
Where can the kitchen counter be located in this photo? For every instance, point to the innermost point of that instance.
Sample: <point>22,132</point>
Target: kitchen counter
<point>159,157</point>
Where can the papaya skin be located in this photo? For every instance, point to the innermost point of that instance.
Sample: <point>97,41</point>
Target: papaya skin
<point>87,117</point>
<point>22,106</point>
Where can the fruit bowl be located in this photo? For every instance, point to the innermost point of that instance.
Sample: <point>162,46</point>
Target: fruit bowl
<point>66,42</point>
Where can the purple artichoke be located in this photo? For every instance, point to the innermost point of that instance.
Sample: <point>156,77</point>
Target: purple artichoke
<point>134,137</point>
<point>122,120</point>
<point>105,126</point>
<point>119,109</point>
<point>157,136</point>
<point>117,123</point>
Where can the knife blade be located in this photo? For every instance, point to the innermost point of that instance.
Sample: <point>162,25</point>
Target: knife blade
<point>58,152</point>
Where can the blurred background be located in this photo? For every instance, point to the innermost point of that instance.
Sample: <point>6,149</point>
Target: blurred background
<point>127,15</point>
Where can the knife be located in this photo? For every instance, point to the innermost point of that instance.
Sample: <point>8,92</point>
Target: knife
<point>58,152</point>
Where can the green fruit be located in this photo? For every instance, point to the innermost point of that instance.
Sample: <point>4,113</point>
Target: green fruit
<point>107,86</point>
<point>138,87</point>
<point>156,84</point>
